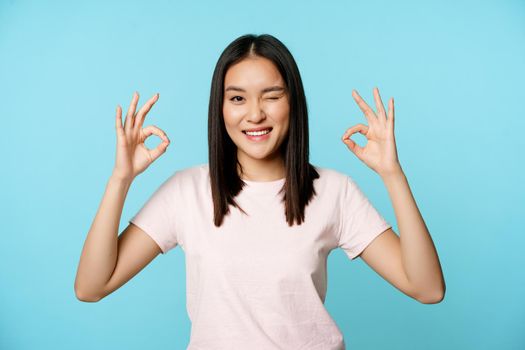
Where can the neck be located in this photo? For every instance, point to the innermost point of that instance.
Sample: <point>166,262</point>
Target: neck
<point>263,170</point>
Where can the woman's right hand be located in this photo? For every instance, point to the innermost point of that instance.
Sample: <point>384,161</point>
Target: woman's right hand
<point>133,157</point>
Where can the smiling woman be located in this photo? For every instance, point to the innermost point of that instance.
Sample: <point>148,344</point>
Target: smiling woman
<point>258,222</point>
<point>258,125</point>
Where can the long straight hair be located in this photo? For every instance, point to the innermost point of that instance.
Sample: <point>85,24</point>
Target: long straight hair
<point>222,152</point>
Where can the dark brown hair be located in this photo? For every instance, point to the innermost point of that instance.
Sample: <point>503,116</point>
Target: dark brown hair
<point>300,174</point>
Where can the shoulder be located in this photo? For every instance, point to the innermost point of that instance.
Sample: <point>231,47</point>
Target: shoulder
<point>184,176</point>
<point>332,184</point>
<point>191,173</point>
<point>331,176</point>
<point>190,177</point>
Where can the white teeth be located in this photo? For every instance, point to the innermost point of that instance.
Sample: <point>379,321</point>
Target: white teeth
<point>257,133</point>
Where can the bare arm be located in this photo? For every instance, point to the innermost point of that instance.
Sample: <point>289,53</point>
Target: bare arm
<point>133,250</point>
<point>99,254</point>
<point>103,251</point>
<point>418,254</point>
<point>410,262</point>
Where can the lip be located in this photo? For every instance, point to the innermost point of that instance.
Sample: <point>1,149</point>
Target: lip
<point>258,129</point>
<point>258,138</point>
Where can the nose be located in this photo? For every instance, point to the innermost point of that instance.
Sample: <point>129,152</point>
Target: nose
<point>256,113</point>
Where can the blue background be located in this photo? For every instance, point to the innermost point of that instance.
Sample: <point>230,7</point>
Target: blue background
<point>455,69</point>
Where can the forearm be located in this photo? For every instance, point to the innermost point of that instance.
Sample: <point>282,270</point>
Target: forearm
<point>420,259</point>
<point>100,251</point>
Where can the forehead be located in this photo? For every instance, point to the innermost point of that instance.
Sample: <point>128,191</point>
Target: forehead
<point>253,72</point>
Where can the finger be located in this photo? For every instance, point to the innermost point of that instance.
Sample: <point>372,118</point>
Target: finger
<point>390,120</point>
<point>369,113</point>
<point>141,115</point>
<point>153,130</point>
<point>118,122</point>
<point>361,128</point>
<point>161,148</point>
<point>354,147</point>
<point>381,115</point>
<point>128,123</point>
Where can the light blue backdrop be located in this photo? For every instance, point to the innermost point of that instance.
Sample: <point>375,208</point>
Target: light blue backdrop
<point>455,69</point>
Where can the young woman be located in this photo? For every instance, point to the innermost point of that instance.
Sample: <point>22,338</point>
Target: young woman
<point>258,221</point>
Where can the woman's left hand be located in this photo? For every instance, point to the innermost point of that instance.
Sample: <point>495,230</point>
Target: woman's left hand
<point>380,152</point>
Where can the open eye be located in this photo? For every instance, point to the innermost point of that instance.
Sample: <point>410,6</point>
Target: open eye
<point>234,98</point>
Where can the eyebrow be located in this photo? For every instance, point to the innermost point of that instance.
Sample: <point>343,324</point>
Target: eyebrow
<point>268,89</point>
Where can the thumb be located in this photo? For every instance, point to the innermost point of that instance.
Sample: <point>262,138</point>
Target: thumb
<point>352,146</point>
<point>161,148</point>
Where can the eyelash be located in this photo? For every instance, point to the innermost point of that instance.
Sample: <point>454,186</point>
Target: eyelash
<point>233,98</point>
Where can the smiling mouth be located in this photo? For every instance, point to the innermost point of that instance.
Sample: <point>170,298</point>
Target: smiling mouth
<point>258,132</point>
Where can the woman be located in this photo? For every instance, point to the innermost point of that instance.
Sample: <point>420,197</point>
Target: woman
<point>258,221</point>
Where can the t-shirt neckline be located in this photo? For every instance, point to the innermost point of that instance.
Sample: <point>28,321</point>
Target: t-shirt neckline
<point>269,187</point>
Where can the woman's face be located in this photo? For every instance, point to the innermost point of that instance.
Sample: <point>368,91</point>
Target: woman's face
<point>255,108</point>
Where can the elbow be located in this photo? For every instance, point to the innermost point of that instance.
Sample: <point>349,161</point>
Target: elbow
<point>434,298</point>
<point>86,297</point>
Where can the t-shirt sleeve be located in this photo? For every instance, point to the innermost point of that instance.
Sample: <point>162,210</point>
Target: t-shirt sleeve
<point>360,222</point>
<point>157,216</point>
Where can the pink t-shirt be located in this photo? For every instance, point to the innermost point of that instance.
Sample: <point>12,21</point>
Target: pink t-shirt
<point>256,283</point>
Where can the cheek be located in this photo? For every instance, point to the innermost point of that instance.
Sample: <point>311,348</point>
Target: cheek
<point>232,115</point>
<point>280,112</point>
<point>231,121</point>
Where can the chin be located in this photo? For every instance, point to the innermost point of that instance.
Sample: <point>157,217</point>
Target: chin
<point>257,155</point>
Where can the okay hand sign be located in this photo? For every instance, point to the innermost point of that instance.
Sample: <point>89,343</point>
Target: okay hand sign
<point>133,157</point>
<point>380,152</point>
